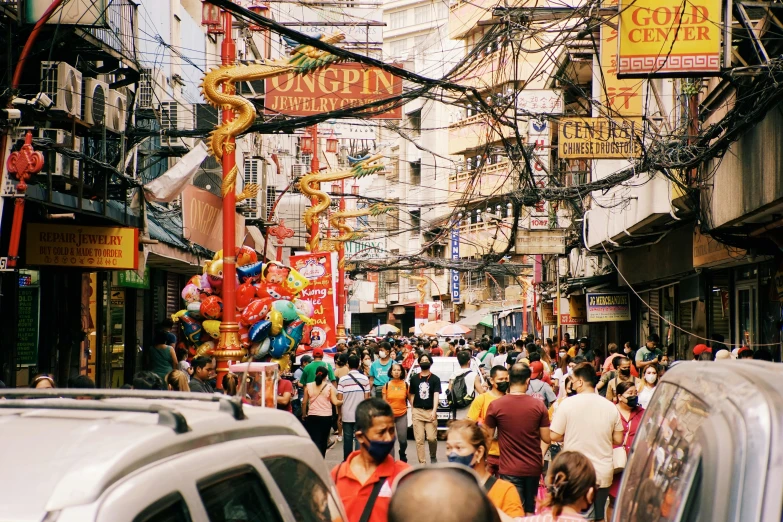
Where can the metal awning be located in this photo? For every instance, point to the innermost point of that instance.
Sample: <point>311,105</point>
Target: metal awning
<point>482,316</point>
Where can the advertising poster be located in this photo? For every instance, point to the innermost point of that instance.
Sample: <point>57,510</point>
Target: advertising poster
<point>608,307</point>
<point>318,269</point>
<point>106,248</point>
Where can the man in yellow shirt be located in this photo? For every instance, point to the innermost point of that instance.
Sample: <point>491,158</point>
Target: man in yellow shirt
<point>498,379</point>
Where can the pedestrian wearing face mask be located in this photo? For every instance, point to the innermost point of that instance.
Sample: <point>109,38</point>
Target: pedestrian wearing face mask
<point>631,416</point>
<point>466,444</point>
<point>647,386</point>
<point>364,480</point>
<point>498,380</point>
<point>424,393</point>
<point>379,370</point>
<point>623,375</point>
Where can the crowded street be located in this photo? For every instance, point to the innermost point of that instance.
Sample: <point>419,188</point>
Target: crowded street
<point>391,260</point>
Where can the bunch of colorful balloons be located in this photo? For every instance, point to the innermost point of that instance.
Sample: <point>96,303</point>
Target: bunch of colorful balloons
<point>272,319</point>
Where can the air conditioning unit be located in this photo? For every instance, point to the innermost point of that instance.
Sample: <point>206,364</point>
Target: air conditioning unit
<point>95,96</point>
<point>63,84</point>
<point>56,163</point>
<point>152,89</point>
<point>252,171</point>
<point>299,169</point>
<point>206,116</point>
<point>117,112</point>
<point>175,116</point>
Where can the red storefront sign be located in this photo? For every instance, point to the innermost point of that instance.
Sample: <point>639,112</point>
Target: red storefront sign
<point>339,86</point>
<point>317,268</point>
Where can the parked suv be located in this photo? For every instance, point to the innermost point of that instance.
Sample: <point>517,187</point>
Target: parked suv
<point>138,456</point>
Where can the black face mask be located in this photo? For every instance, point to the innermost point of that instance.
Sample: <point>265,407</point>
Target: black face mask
<point>425,365</point>
<point>625,372</point>
<point>632,402</point>
<point>502,386</point>
<point>571,392</point>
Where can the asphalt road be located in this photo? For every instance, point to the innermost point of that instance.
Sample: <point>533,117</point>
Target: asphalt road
<point>335,455</point>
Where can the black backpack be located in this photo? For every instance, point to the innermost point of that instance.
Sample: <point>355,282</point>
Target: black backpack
<point>459,392</point>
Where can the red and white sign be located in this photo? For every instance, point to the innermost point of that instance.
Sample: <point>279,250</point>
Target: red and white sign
<point>318,269</point>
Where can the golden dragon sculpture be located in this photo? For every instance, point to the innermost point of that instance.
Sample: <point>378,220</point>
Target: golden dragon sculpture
<point>219,90</point>
<point>420,287</point>
<point>310,185</point>
<point>347,233</point>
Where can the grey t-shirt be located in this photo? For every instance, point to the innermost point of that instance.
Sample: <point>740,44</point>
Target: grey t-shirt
<point>353,387</point>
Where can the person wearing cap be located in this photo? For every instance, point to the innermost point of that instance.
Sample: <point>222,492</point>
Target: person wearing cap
<point>538,388</point>
<point>308,374</point>
<point>722,354</point>
<point>745,353</point>
<point>699,350</point>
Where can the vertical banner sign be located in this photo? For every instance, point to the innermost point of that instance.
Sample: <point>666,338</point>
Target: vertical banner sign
<point>455,297</point>
<point>28,315</point>
<point>669,38</point>
<point>538,135</point>
<point>317,268</point>
<point>421,317</point>
<point>621,97</point>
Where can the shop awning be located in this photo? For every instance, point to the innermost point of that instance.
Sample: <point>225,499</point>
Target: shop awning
<point>482,316</point>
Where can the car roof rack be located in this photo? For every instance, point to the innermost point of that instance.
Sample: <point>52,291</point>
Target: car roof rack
<point>167,417</point>
<point>230,405</point>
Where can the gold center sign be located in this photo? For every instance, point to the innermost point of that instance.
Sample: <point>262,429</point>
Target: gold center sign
<point>600,138</point>
<point>103,248</point>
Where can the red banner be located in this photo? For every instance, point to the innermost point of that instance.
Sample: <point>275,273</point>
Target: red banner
<point>317,268</point>
<point>339,86</point>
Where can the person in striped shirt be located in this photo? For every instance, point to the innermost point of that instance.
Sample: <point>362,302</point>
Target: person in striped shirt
<point>352,389</point>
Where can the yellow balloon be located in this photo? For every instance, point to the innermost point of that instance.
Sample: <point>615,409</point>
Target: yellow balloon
<point>284,362</point>
<point>276,319</point>
<point>175,317</point>
<point>212,328</point>
<point>218,256</point>
<point>215,268</point>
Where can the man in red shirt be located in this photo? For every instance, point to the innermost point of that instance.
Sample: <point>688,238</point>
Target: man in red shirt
<point>522,422</point>
<point>364,480</point>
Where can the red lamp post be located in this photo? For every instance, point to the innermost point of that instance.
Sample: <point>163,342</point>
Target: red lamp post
<point>22,164</point>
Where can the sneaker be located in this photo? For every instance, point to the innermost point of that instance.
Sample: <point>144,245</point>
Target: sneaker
<point>331,443</point>
<point>339,438</point>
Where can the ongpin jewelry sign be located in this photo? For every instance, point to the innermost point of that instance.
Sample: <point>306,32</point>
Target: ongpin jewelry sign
<point>669,38</point>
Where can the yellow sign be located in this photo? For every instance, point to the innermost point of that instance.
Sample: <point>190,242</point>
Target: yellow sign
<point>621,97</point>
<point>600,138</point>
<point>669,37</point>
<point>102,248</point>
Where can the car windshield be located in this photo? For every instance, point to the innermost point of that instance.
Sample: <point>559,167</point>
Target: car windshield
<point>444,370</point>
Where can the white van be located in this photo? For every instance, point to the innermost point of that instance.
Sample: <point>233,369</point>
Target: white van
<point>144,456</point>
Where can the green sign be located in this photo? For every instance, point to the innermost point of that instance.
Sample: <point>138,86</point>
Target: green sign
<point>27,332</point>
<point>131,279</point>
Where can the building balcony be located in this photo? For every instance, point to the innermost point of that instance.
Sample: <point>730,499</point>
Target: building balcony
<point>497,68</point>
<point>490,180</point>
<point>465,14</point>
<point>480,239</point>
<point>475,133</point>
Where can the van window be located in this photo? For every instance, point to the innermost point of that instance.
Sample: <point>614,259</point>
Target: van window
<point>663,469</point>
<point>237,496</point>
<point>168,509</point>
<point>308,497</point>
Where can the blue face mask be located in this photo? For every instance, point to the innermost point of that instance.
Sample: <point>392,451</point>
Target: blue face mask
<point>465,460</point>
<point>379,449</point>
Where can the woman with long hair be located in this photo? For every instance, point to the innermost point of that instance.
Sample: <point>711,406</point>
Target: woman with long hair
<point>466,443</point>
<point>177,380</point>
<point>395,392</point>
<point>631,416</point>
<point>570,485</point>
<point>42,380</point>
<point>317,408</point>
<point>647,386</point>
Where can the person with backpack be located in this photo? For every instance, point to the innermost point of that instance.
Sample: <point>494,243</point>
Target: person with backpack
<point>395,392</point>
<point>538,388</point>
<point>623,374</point>
<point>352,389</point>
<point>464,386</point>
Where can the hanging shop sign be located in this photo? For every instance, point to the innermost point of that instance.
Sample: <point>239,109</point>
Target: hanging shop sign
<point>548,316</point>
<point>572,310</point>
<point>538,136</point>
<point>455,290</point>
<point>669,38</point>
<point>608,307</point>
<point>107,248</point>
<point>623,97</point>
<point>318,269</point>
<point>600,138</point>
<point>202,219</point>
<point>132,279</point>
<point>339,86</point>
<point>540,101</point>
<point>28,317</point>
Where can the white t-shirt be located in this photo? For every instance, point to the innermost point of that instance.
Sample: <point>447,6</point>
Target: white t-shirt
<point>561,377</point>
<point>470,380</point>
<point>645,395</point>
<point>499,360</point>
<point>587,421</point>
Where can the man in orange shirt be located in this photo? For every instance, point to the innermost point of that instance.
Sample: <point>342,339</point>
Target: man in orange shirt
<point>364,480</point>
<point>498,379</point>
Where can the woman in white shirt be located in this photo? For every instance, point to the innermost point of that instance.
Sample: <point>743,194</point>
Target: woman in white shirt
<point>648,384</point>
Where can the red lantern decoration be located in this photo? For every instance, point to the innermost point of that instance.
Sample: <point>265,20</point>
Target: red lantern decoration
<point>355,190</point>
<point>335,188</point>
<point>259,10</point>
<point>306,144</point>
<point>210,14</point>
<point>331,145</point>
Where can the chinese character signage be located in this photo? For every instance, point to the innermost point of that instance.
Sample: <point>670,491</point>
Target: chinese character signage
<point>103,248</point>
<point>538,136</point>
<point>131,279</point>
<point>602,308</point>
<point>620,97</point>
<point>28,316</point>
<point>540,101</point>
<point>455,291</point>
<point>318,269</point>
<point>669,38</point>
<point>600,138</point>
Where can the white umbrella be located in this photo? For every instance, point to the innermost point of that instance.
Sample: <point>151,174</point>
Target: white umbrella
<point>453,330</point>
<point>383,329</point>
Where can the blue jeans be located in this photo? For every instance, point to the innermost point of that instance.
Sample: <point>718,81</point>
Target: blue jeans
<point>349,441</point>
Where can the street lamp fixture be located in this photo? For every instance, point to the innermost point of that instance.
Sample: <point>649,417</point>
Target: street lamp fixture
<point>306,144</point>
<point>331,145</point>
<point>260,10</point>
<point>210,16</point>
<point>336,189</point>
<point>355,189</point>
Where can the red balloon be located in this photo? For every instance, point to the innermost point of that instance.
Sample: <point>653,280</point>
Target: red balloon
<point>216,283</point>
<point>274,291</point>
<point>256,311</point>
<point>246,256</point>
<point>244,295</point>
<point>212,308</point>
<point>244,335</point>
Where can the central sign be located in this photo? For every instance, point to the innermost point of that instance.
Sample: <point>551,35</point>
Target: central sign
<point>107,248</point>
<point>600,138</point>
<point>339,86</point>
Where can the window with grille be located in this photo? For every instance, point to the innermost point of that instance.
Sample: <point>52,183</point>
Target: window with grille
<point>145,93</point>
<point>416,173</point>
<point>168,115</point>
<point>416,221</point>
<point>393,220</point>
<point>251,176</point>
<point>271,198</point>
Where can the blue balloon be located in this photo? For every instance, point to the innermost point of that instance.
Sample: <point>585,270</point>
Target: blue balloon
<point>250,272</point>
<point>263,349</point>
<point>287,309</point>
<point>280,345</point>
<point>260,331</point>
<point>295,331</point>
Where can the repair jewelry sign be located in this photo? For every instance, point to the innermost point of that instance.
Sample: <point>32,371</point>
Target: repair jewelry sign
<point>608,307</point>
<point>669,38</point>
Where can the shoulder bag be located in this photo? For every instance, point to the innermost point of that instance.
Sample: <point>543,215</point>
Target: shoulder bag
<point>620,454</point>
